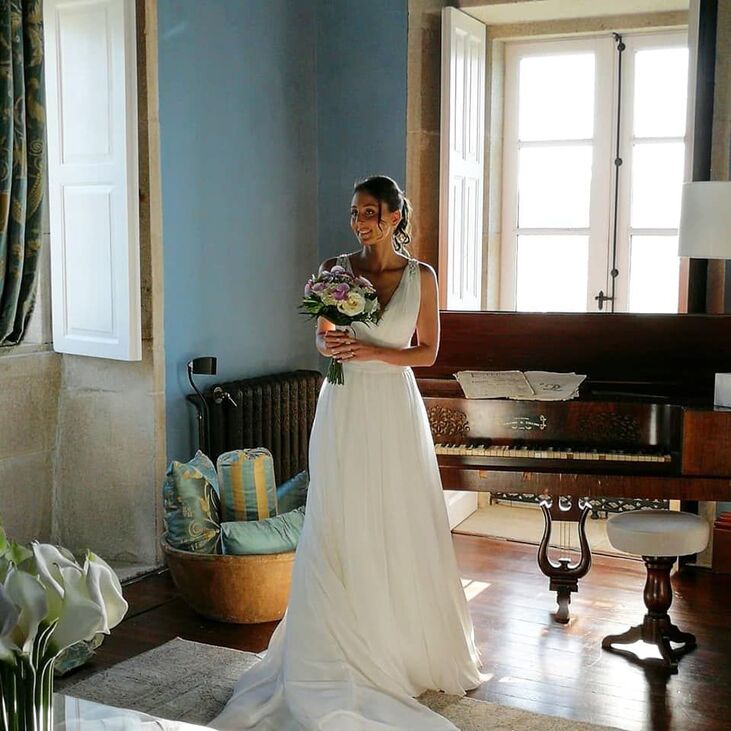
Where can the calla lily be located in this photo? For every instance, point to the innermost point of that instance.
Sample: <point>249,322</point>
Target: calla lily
<point>104,588</point>
<point>47,603</point>
<point>27,593</point>
<point>49,560</point>
<point>80,617</point>
<point>9,614</point>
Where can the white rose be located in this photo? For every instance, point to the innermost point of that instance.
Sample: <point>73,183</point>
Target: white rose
<point>352,305</point>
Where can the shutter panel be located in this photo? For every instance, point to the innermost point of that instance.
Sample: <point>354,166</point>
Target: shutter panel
<point>91,90</point>
<point>462,160</point>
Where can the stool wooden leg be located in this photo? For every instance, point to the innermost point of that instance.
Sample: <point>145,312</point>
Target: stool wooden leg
<point>656,628</point>
<point>632,635</point>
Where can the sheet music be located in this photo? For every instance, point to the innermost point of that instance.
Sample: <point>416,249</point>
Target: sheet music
<point>494,384</point>
<point>528,386</point>
<point>549,386</point>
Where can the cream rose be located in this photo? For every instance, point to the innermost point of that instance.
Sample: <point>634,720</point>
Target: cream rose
<point>352,305</point>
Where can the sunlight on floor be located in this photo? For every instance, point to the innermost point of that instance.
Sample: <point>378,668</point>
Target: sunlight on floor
<point>472,587</point>
<point>525,523</point>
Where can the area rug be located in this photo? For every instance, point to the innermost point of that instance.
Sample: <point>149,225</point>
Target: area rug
<point>190,681</point>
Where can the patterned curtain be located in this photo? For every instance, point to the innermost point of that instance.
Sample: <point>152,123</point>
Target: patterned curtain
<point>22,161</point>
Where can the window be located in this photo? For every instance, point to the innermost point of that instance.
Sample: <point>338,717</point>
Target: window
<point>571,217</point>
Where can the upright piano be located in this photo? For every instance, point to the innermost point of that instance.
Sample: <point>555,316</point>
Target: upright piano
<point>644,424</point>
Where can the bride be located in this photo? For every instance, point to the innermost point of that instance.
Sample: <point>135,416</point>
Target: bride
<point>376,613</point>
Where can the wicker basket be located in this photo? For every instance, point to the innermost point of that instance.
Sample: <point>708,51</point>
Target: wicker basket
<point>236,589</point>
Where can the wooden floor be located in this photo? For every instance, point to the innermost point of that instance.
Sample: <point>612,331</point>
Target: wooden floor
<point>531,662</point>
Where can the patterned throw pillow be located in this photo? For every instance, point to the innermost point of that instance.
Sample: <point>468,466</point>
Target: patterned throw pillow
<point>271,535</point>
<point>292,494</point>
<point>246,484</point>
<point>192,511</point>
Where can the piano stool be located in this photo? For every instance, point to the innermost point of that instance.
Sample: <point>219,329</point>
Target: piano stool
<point>659,536</point>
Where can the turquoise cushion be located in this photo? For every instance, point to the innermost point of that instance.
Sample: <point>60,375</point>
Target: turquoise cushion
<point>247,487</point>
<point>192,513</point>
<point>271,535</point>
<point>292,494</point>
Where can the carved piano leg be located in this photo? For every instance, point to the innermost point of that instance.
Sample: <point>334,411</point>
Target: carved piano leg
<point>563,575</point>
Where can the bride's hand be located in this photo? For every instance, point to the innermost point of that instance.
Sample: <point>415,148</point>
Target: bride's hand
<point>335,341</point>
<point>352,349</point>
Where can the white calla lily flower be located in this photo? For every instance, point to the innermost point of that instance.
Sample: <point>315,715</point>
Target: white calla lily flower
<point>105,589</point>
<point>80,617</point>
<point>49,561</point>
<point>9,614</point>
<point>48,603</point>
<point>29,596</point>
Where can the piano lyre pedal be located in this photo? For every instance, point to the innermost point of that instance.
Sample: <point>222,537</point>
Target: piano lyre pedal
<point>643,427</point>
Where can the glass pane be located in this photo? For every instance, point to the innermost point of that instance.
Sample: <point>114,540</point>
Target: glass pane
<point>554,186</point>
<point>661,79</point>
<point>657,177</point>
<point>552,273</point>
<point>556,97</point>
<point>654,271</point>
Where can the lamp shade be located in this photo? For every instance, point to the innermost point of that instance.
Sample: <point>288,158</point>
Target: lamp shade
<point>705,220</point>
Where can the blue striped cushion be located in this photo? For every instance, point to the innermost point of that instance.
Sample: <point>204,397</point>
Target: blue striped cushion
<point>246,484</point>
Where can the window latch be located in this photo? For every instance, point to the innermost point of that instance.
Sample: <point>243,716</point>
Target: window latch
<point>601,298</point>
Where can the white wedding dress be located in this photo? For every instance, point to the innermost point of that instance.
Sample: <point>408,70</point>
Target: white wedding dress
<point>377,613</point>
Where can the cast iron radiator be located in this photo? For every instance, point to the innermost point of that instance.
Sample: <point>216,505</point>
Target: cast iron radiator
<point>274,411</point>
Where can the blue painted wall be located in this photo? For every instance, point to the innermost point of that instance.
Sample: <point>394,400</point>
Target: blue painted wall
<point>269,111</point>
<point>361,106</point>
<point>239,185</point>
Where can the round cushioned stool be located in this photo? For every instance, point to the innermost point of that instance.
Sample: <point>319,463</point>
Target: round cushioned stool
<point>659,536</point>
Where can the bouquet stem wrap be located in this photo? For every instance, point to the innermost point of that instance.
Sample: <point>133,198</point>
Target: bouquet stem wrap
<point>335,372</point>
<point>335,369</point>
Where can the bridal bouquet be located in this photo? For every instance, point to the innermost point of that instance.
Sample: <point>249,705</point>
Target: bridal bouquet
<point>343,299</point>
<point>48,602</point>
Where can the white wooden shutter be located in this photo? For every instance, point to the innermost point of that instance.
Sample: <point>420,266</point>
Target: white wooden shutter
<point>462,160</point>
<point>91,93</point>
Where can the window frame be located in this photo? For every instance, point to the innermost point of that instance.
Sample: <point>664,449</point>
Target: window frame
<point>637,42</point>
<point>604,172</point>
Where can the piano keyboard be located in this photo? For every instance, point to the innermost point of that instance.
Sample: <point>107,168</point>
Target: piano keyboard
<point>548,452</point>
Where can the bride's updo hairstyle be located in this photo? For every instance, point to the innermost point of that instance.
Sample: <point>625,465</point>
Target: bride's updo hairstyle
<point>386,190</point>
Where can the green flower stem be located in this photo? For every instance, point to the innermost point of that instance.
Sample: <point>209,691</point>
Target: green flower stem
<point>26,688</point>
<point>335,372</point>
<point>9,695</point>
